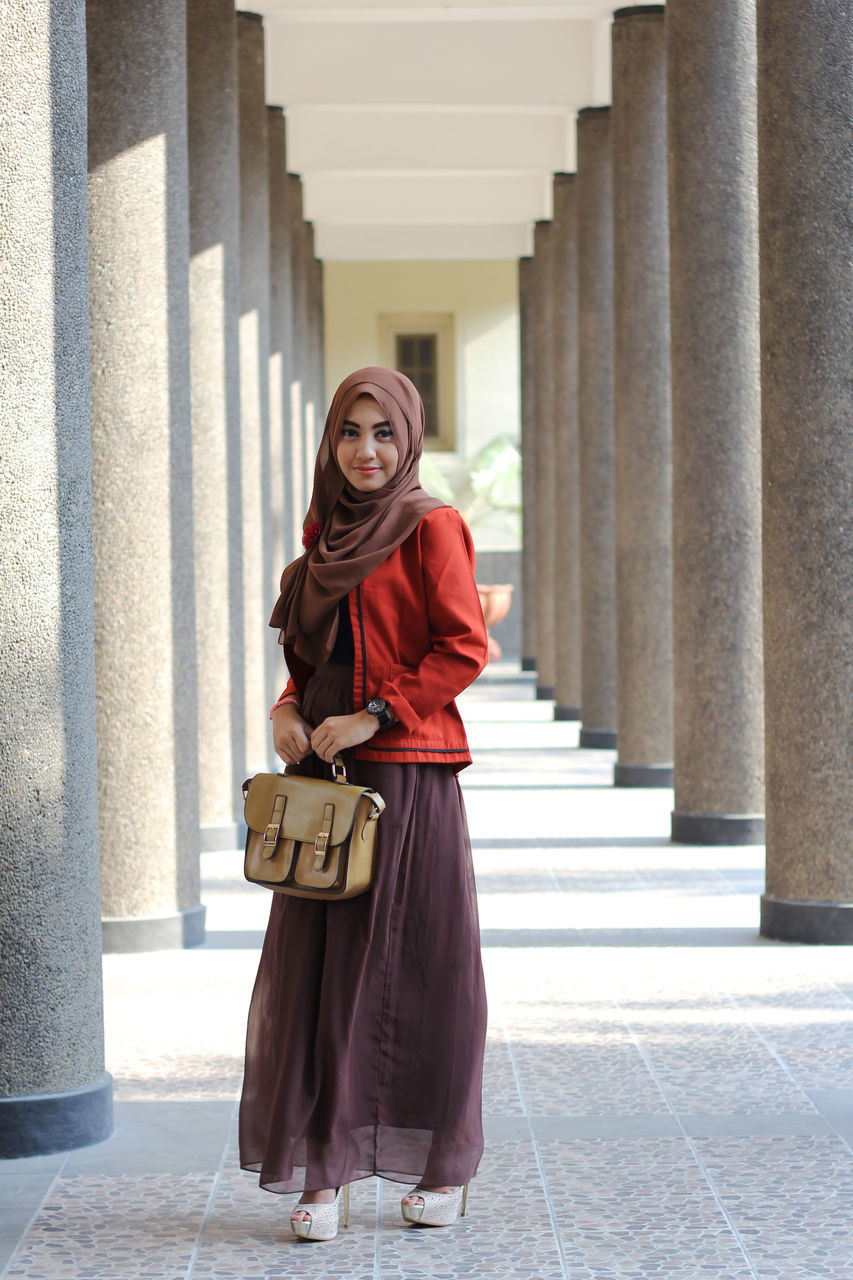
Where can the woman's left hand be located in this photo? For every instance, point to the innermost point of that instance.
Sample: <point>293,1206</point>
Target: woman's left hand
<point>339,732</point>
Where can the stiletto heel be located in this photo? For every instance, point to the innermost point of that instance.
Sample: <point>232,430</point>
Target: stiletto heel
<point>439,1208</point>
<point>322,1220</point>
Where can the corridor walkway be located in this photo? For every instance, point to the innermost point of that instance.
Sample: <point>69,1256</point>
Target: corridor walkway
<point>665,1094</point>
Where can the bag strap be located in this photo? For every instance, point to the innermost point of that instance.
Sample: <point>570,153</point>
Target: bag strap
<point>338,768</point>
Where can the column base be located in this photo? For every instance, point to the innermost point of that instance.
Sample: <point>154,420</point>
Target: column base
<point>215,839</point>
<point>567,713</point>
<point>793,920</point>
<point>40,1123</point>
<point>642,775</point>
<point>545,692</point>
<point>528,664</point>
<point>638,8</point>
<point>154,933</point>
<point>717,828</point>
<point>600,739</point>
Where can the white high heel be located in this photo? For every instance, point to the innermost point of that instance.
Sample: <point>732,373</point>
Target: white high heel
<point>322,1220</point>
<point>438,1208</point>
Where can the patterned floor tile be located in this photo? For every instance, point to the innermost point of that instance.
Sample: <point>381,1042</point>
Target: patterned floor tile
<point>636,1183</point>
<point>122,1228</point>
<point>571,1080</point>
<point>500,1092</point>
<point>703,1071</point>
<point>670,1252</point>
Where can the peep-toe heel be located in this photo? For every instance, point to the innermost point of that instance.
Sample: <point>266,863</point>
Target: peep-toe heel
<point>438,1208</point>
<point>322,1220</point>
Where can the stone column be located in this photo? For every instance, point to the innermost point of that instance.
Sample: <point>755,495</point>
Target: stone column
<point>302,454</point>
<point>546,489</point>
<point>716,422</point>
<point>319,285</point>
<point>281,333</point>
<point>214,171</point>
<point>281,346</point>
<point>259,581</point>
<point>805,100</point>
<point>55,1092</point>
<point>567,496</point>
<point>643,471</point>
<point>595,428</point>
<point>314,401</point>
<point>145,650</point>
<point>528,466</point>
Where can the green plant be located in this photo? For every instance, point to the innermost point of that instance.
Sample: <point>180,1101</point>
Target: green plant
<point>481,487</point>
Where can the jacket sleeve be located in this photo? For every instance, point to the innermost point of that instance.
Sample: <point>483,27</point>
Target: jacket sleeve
<point>288,694</point>
<point>459,648</point>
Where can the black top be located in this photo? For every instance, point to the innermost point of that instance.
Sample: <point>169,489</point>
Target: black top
<point>343,650</point>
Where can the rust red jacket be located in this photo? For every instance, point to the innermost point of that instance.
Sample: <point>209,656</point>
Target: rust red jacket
<point>420,640</point>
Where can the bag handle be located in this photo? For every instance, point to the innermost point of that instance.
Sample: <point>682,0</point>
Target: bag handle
<point>339,774</point>
<point>339,770</point>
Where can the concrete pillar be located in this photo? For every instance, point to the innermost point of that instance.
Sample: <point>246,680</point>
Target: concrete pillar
<point>313,312</point>
<point>543,360</point>
<point>215,392</point>
<point>643,471</point>
<point>805,99</point>
<point>281,338</point>
<point>303,454</point>
<point>319,286</point>
<point>595,428</point>
<point>528,466</point>
<point>567,599</point>
<point>142,475</point>
<point>281,344</point>
<point>259,580</point>
<point>716,422</point>
<point>55,1092</point>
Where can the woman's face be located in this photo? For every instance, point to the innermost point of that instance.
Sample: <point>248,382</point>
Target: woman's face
<point>365,450</point>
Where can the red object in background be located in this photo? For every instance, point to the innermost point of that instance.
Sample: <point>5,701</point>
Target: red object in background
<point>495,601</point>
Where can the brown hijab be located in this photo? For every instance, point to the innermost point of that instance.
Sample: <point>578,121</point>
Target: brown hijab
<point>347,534</point>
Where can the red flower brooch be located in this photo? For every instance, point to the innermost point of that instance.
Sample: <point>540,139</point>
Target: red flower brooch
<point>311,534</point>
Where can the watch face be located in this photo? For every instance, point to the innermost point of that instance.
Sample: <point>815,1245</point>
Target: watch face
<point>376,706</point>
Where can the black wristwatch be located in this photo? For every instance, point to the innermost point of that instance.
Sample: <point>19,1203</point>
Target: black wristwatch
<point>379,707</point>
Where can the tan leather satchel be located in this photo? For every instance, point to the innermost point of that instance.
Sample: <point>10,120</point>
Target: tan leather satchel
<point>310,837</point>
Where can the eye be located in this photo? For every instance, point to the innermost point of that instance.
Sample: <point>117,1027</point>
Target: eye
<point>348,433</point>
<point>384,434</point>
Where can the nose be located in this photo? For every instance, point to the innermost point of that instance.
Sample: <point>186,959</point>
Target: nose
<point>366,448</point>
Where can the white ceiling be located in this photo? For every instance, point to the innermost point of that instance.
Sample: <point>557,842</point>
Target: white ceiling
<point>431,131</point>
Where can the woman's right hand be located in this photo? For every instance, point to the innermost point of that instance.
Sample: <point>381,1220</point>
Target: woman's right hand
<point>291,734</point>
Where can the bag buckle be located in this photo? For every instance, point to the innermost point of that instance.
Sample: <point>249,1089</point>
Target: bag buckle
<point>274,829</point>
<point>324,835</point>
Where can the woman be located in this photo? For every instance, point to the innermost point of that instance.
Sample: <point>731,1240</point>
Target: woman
<point>367,1024</point>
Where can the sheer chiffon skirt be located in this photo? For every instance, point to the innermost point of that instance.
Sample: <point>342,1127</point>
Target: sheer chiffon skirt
<point>364,1050</point>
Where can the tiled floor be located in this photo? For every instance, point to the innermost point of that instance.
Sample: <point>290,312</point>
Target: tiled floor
<point>665,1094</point>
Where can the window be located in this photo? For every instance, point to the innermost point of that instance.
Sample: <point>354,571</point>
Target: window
<point>417,358</point>
<point>421,346</point>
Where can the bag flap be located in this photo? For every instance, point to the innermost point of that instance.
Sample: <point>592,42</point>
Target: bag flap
<point>306,800</point>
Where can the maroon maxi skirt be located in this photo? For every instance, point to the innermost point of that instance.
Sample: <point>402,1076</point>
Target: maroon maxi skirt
<point>364,1050</point>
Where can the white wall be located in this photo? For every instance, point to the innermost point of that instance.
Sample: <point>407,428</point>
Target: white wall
<point>482,296</point>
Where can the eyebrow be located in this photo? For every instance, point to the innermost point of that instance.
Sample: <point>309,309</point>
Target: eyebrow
<point>348,422</point>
